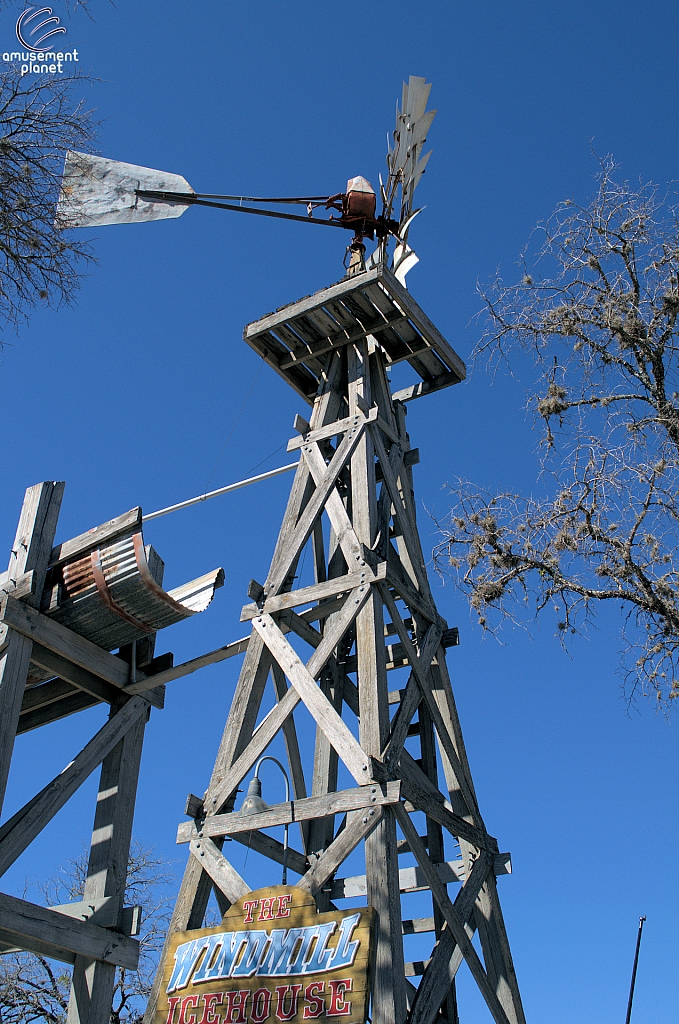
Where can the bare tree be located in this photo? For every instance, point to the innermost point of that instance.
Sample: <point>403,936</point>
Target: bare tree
<point>33,988</point>
<point>40,118</point>
<point>595,316</point>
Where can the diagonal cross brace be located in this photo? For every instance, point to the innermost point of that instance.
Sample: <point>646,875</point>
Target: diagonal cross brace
<point>22,828</point>
<point>447,955</point>
<point>338,733</point>
<point>299,535</point>
<point>453,921</point>
<point>267,729</point>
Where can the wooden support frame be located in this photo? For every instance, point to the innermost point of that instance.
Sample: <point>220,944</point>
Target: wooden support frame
<point>351,495</point>
<point>93,936</point>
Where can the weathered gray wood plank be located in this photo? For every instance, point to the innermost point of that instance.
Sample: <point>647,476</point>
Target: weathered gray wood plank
<point>68,645</point>
<point>298,810</point>
<point>447,956</point>
<point>78,700</point>
<point>35,534</point>
<point>26,922</point>
<point>452,920</point>
<point>316,592</point>
<point>223,874</point>
<point>21,829</point>
<point>316,702</point>
<point>78,677</point>
<point>326,865</point>
<point>15,660</point>
<point>187,667</point>
<point>92,983</point>
<point>127,522</point>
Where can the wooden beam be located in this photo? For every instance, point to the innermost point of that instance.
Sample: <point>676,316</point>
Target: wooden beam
<point>423,324</point>
<point>418,925</point>
<point>35,534</point>
<point>342,739</point>
<point>14,664</point>
<point>357,831</point>
<point>316,592</point>
<point>299,535</point>
<point>78,677</point>
<point>53,712</point>
<point>26,922</point>
<point>223,874</point>
<point>187,667</point>
<point>69,549</point>
<point>426,387</point>
<point>323,433</point>
<point>417,684</point>
<point>374,795</point>
<point>43,694</point>
<point>92,982</point>
<point>297,309</point>
<point>447,955</point>
<point>68,645</point>
<point>105,912</point>
<point>436,807</point>
<point>414,880</point>
<point>456,926</point>
<point>271,848</point>
<point>22,828</point>
<point>21,587</point>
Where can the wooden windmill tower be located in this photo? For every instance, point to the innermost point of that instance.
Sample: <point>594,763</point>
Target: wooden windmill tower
<point>327,650</point>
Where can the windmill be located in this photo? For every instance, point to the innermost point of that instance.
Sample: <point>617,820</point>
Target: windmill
<point>389,777</point>
<point>96,191</point>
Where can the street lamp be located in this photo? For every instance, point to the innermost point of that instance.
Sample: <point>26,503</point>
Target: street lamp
<point>253,804</point>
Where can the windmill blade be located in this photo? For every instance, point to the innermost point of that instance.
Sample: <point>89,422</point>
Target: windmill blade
<point>96,191</point>
<point>403,228</point>
<point>405,161</point>
<point>418,132</point>
<point>404,260</point>
<point>419,168</point>
<point>417,94</point>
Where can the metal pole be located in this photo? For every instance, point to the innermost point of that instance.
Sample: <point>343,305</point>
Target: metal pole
<point>268,757</point>
<point>634,971</point>
<point>220,490</point>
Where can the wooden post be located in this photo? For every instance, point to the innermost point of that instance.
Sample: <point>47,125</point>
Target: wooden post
<point>30,554</point>
<point>93,981</point>
<point>370,610</point>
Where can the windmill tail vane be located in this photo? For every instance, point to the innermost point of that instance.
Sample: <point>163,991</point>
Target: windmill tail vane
<point>97,191</point>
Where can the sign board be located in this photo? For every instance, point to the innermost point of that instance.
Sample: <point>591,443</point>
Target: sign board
<point>273,958</point>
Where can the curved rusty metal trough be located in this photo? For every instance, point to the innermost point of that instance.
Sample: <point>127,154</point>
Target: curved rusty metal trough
<point>112,595</point>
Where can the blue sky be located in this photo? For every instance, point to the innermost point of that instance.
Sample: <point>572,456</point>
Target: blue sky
<point>131,394</point>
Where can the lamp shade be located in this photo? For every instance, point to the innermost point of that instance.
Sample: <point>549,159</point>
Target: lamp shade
<point>253,802</point>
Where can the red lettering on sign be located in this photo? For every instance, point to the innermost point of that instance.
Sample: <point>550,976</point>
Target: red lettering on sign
<point>284,906</point>
<point>235,1004</point>
<point>339,1006</point>
<point>188,1001</point>
<point>261,1005</point>
<point>266,909</point>
<point>312,994</point>
<point>249,906</point>
<point>210,1015</point>
<point>171,1007</point>
<point>281,993</point>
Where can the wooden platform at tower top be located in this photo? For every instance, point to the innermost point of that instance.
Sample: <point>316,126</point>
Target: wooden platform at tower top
<point>322,653</point>
<point>298,339</point>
